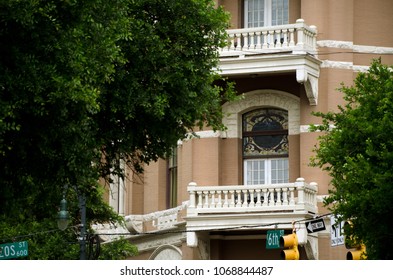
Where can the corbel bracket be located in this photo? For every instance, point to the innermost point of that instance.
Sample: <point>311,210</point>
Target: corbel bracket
<point>310,83</point>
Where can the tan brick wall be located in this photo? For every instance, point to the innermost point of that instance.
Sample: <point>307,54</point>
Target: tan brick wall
<point>218,160</point>
<point>327,252</point>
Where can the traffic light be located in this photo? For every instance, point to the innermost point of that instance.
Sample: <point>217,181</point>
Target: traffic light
<point>350,243</point>
<point>290,242</point>
<point>358,254</point>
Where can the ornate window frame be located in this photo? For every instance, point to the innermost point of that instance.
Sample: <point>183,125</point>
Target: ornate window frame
<point>233,111</point>
<point>263,98</point>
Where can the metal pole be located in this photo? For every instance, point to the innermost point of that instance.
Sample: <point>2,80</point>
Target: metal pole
<point>82,238</point>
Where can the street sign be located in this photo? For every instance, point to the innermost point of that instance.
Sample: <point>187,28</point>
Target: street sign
<point>273,238</point>
<point>13,250</point>
<point>336,232</point>
<point>315,225</point>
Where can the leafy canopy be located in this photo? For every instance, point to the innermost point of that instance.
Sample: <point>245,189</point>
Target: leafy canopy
<point>357,151</point>
<point>87,84</point>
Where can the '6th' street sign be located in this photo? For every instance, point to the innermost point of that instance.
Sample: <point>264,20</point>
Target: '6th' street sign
<point>273,238</point>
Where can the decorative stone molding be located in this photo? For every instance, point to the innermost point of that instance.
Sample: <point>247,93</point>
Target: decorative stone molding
<point>166,252</point>
<point>311,247</point>
<point>310,83</point>
<point>356,48</point>
<point>151,242</point>
<point>159,220</point>
<point>261,98</point>
<point>110,232</point>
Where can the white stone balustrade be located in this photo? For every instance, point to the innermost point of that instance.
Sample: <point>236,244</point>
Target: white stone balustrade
<point>289,37</point>
<point>297,196</point>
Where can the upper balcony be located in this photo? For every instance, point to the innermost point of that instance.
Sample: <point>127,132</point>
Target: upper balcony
<point>274,49</point>
<point>220,207</point>
<point>294,38</point>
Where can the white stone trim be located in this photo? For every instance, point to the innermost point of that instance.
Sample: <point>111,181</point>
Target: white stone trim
<point>344,65</point>
<point>160,219</point>
<point>348,45</point>
<point>204,134</point>
<point>259,99</point>
<point>355,48</point>
<point>166,252</point>
<point>306,128</point>
<point>147,243</point>
<point>322,197</point>
<point>335,44</point>
<point>110,232</point>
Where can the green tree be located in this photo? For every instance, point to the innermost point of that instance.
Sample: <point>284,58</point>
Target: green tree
<point>357,152</point>
<point>87,84</point>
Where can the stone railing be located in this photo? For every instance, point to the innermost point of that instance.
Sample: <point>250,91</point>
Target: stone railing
<point>159,220</point>
<point>290,37</point>
<point>287,197</point>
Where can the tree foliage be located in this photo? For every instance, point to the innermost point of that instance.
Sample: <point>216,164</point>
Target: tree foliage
<point>357,151</point>
<point>87,84</point>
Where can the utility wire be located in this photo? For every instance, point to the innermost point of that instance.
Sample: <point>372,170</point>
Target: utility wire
<point>19,237</point>
<point>220,229</point>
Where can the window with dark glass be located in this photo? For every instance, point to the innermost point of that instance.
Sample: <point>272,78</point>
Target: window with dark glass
<point>172,179</point>
<point>117,191</point>
<point>265,146</point>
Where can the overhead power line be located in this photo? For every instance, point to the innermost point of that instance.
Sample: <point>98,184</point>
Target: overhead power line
<point>164,232</point>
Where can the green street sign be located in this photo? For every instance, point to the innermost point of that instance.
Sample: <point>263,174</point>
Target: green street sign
<point>273,238</point>
<point>14,250</point>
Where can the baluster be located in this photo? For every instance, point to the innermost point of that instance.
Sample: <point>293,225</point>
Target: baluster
<point>232,198</point>
<point>284,196</point>
<point>285,34</point>
<point>258,194</point>
<point>213,199</point>
<point>200,196</point>
<point>245,40</point>
<point>278,192</point>
<point>258,37</point>
<point>206,197</point>
<point>306,196</point>
<point>265,198</point>
<point>245,198</point>
<point>291,196</point>
<point>231,41</point>
<point>252,199</point>
<point>226,204</point>
<point>239,198</point>
<point>308,38</point>
<point>278,38</point>
<point>265,45</point>
<point>220,202</point>
<point>238,42</point>
<point>270,39</point>
<point>219,199</point>
<point>271,198</point>
<point>251,40</point>
<point>291,37</point>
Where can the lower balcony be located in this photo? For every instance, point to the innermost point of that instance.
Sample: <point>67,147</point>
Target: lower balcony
<point>265,206</point>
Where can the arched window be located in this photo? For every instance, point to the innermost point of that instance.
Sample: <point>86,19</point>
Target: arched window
<point>265,146</point>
